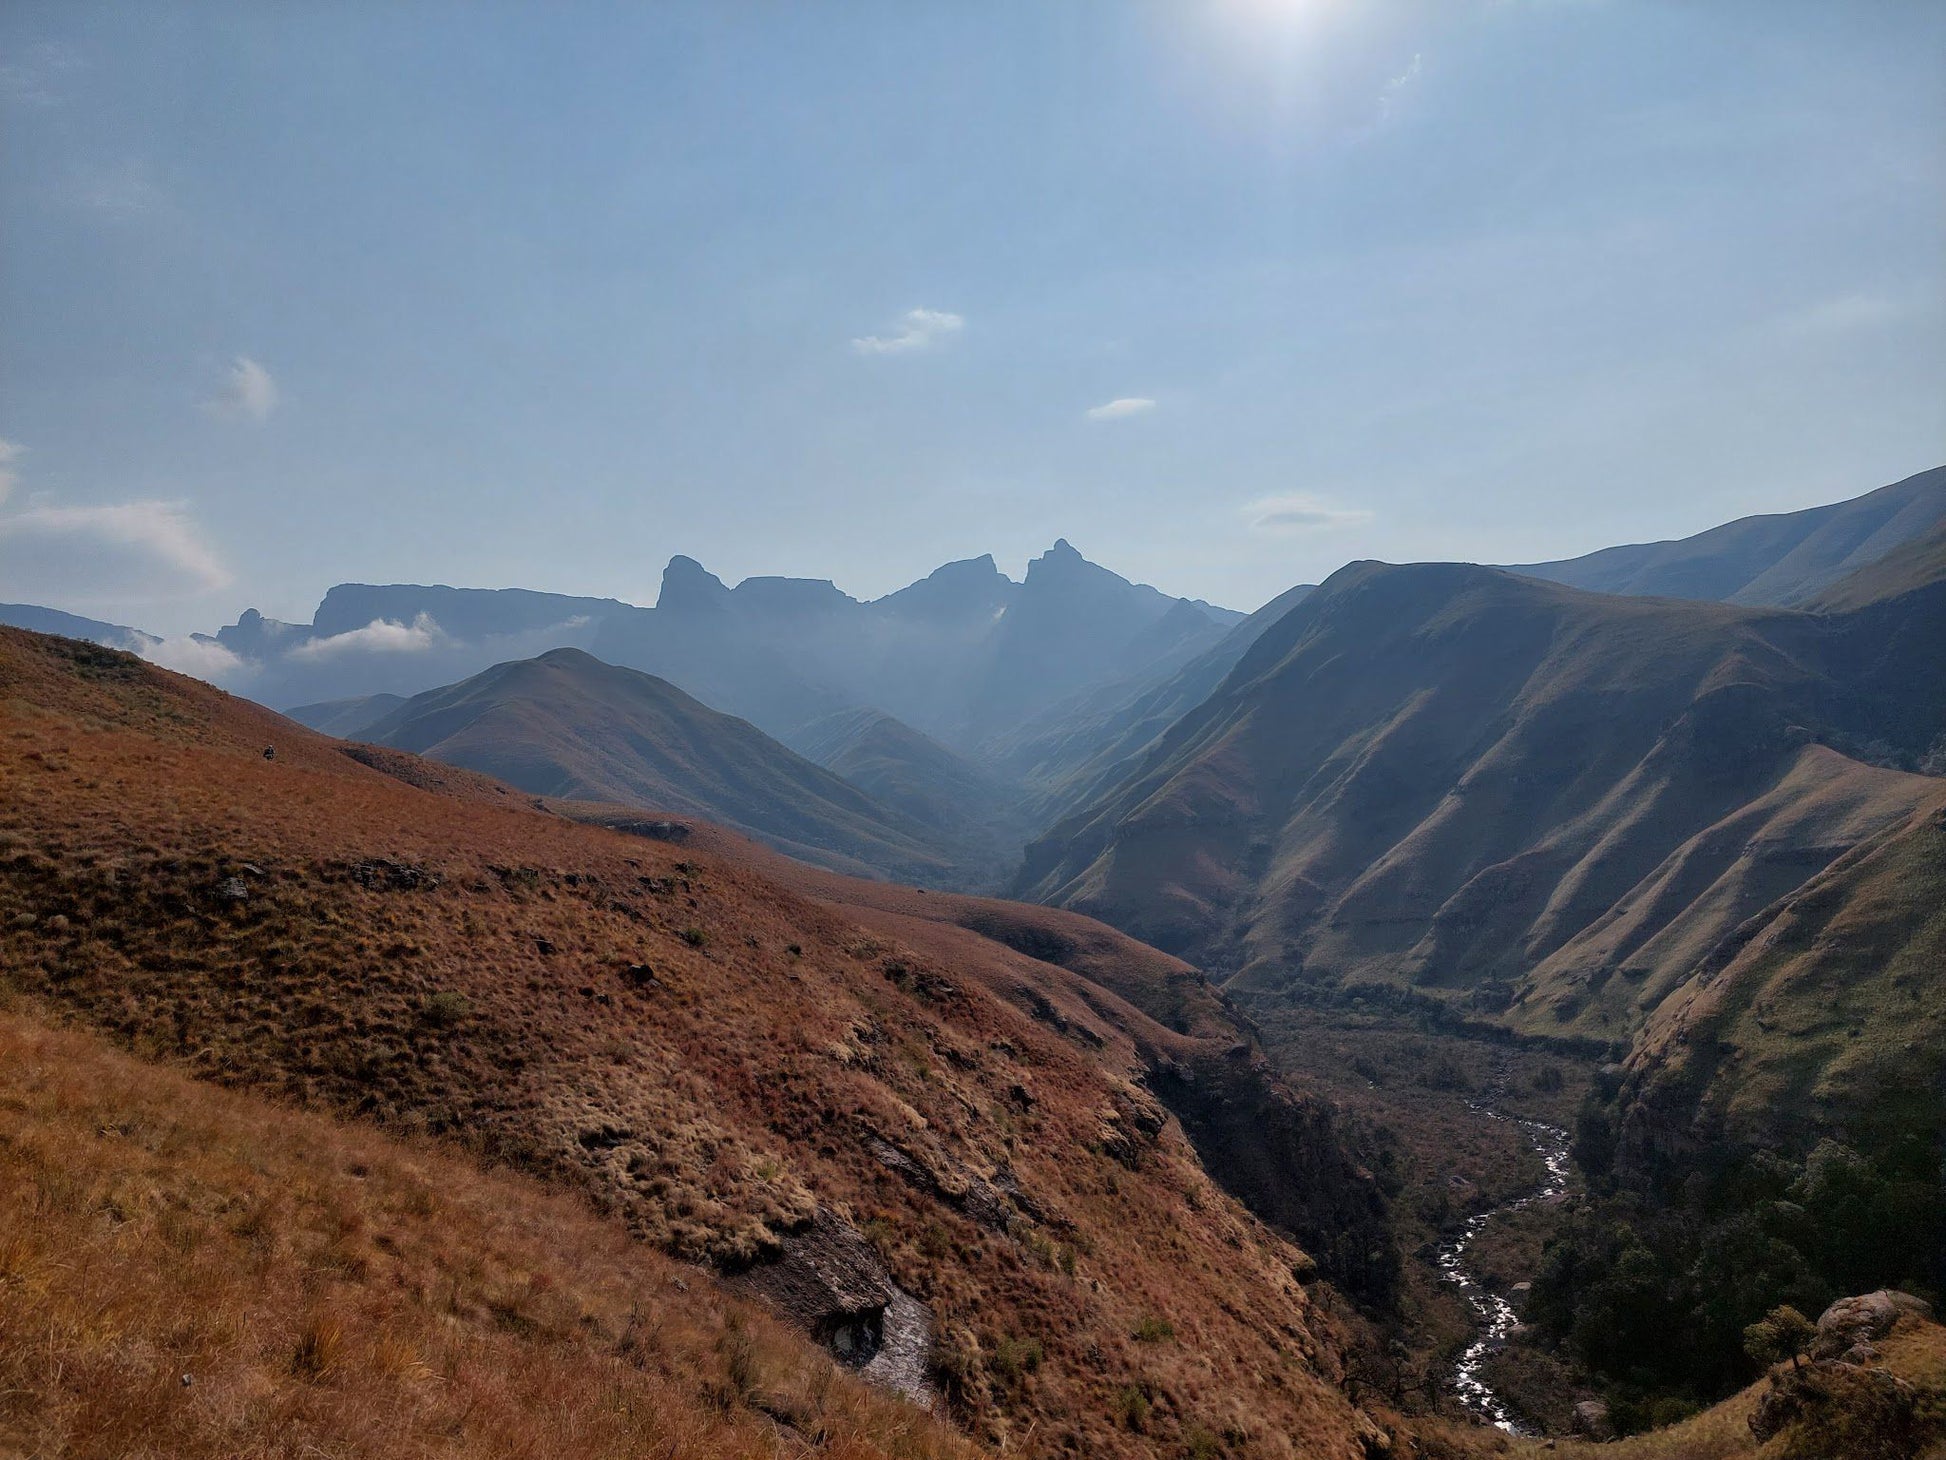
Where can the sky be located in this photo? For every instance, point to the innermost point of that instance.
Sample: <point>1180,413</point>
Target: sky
<point>1226,292</point>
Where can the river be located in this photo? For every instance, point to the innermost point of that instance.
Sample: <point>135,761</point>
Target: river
<point>1495,1315</point>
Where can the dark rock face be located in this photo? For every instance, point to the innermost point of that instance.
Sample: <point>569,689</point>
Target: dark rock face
<point>1281,1155</point>
<point>828,1280</point>
<point>824,1278</point>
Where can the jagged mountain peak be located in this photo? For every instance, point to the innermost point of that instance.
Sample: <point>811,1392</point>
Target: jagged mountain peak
<point>687,584</point>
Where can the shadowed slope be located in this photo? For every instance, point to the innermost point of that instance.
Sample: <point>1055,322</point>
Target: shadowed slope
<point>569,726</point>
<point>1492,788</point>
<point>921,779</point>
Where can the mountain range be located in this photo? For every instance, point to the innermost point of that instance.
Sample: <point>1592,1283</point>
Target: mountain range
<point>670,906</point>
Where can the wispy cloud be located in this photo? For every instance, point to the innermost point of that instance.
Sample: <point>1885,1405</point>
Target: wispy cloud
<point>121,192</point>
<point>1120,408</point>
<point>10,452</point>
<point>36,76</point>
<point>381,635</point>
<point>122,551</point>
<point>1845,313</point>
<point>1293,514</point>
<point>247,393</point>
<point>919,329</point>
<point>1395,89</point>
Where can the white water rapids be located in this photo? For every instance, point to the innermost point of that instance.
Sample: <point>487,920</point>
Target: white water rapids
<point>1496,1316</point>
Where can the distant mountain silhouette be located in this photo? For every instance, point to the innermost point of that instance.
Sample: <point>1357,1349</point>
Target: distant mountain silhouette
<point>960,655</point>
<point>917,776</point>
<point>349,718</point>
<point>567,725</point>
<point>73,626</point>
<point>1782,559</point>
<point>1074,751</point>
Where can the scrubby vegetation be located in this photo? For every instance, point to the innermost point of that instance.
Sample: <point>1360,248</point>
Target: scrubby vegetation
<point>193,1272</point>
<point>1655,1283</point>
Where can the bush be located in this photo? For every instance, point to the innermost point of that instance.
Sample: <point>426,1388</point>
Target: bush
<point>1783,1333</point>
<point>1154,1330</point>
<point>445,1009</point>
<point>694,937</point>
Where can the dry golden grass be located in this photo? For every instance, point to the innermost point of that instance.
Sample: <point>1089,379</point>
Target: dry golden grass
<point>189,1272</point>
<point>709,1105</point>
<point>1915,1351</point>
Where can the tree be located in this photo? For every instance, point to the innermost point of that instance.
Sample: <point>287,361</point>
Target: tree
<point>1783,1333</point>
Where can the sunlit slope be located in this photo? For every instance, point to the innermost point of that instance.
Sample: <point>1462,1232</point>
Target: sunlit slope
<point>1785,558</point>
<point>196,1272</point>
<point>1826,1011</point>
<point>727,1065</point>
<point>1503,793</point>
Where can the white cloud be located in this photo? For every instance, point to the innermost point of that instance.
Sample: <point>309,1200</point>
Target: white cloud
<point>1295,513</point>
<point>120,552</point>
<point>247,392</point>
<point>1122,406</point>
<point>9,453</point>
<point>919,329</point>
<point>381,636</point>
<point>1388,98</point>
<point>201,658</point>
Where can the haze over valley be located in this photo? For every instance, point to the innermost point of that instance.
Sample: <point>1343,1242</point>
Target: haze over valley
<point>1386,897</point>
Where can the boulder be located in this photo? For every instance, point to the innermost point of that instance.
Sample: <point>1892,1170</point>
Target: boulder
<point>1863,1320</point>
<point>1591,1418</point>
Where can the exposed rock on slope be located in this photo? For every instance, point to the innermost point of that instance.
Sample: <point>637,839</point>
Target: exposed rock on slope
<point>710,1055</point>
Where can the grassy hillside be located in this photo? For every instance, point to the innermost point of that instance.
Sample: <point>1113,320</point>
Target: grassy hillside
<point>1501,794</point>
<point>198,1272</point>
<point>569,726</point>
<point>1080,748</point>
<point>1784,558</point>
<point>920,779</point>
<point>733,1070</point>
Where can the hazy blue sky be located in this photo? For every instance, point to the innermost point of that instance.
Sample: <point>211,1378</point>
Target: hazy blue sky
<point>1227,292</point>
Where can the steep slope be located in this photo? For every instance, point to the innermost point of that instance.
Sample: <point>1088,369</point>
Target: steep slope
<point>1785,558</point>
<point>1072,753</point>
<point>73,626</point>
<point>932,1153</point>
<point>200,1273</point>
<point>346,719</point>
<point>919,778</point>
<point>569,726</point>
<point>1907,567</point>
<point>1500,792</point>
<point>1825,1011</point>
